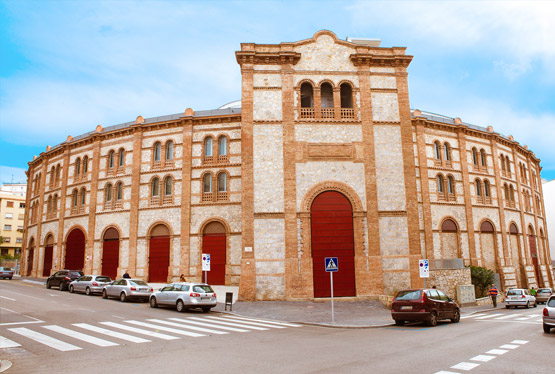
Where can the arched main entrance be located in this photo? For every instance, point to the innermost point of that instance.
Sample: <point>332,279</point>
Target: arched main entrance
<point>30,256</point>
<point>110,253</point>
<point>214,243</point>
<point>449,239</point>
<point>332,235</point>
<point>516,255</point>
<point>159,255</point>
<point>48,254</point>
<point>75,250</point>
<point>487,245</point>
<point>533,252</point>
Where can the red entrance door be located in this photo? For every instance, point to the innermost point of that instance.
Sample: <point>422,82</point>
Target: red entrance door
<point>214,244</point>
<point>331,218</point>
<point>110,258</point>
<point>75,250</point>
<point>159,259</point>
<point>30,258</point>
<point>48,251</point>
<point>534,254</point>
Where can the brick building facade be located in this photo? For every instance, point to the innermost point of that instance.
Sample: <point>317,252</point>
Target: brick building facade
<point>323,157</point>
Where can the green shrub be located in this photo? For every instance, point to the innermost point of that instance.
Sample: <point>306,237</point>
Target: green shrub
<point>482,279</point>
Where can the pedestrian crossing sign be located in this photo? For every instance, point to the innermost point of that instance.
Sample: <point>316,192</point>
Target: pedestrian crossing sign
<point>332,264</point>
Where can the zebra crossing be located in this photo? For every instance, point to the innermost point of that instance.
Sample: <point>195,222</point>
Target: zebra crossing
<point>110,334</point>
<point>534,318</point>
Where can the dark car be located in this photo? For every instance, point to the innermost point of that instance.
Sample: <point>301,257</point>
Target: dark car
<point>63,278</point>
<point>426,305</point>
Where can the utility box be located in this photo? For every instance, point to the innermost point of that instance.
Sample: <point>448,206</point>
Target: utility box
<point>466,295</point>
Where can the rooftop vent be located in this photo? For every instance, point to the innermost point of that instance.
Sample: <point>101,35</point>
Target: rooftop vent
<point>365,41</point>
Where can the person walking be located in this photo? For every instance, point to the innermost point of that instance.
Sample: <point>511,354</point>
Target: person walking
<point>493,294</point>
<point>126,275</point>
<point>533,291</point>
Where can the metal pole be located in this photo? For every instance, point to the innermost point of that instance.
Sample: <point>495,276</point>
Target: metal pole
<point>332,312</point>
<point>206,277</point>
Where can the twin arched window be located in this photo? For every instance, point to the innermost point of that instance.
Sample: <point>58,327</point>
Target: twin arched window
<point>167,191</point>
<point>446,151</point>
<point>209,148</point>
<point>168,153</point>
<point>441,187</point>
<point>327,102</point>
<point>207,188</point>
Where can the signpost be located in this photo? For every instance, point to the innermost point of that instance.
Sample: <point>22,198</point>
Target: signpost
<point>424,266</point>
<point>206,265</point>
<point>332,265</point>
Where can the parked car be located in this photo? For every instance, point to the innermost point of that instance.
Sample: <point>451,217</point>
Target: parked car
<point>549,315</point>
<point>543,294</point>
<point>185,296</point>
<point>6,273</point>
<point>426,305</point>
<point>519,297</point>
<point>63,278</point>
<point>126,289</point>
<point>90,284</point>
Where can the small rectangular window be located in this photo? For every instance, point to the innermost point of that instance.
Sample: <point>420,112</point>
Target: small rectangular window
<point>7,239</point>
<point>9,204</point>
<point>22,205</point>
<point>9,215</point>
<point>19,240</point>
<point>8,227</point>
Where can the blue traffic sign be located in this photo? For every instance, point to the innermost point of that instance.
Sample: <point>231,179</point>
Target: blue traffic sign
<point>332,264</point>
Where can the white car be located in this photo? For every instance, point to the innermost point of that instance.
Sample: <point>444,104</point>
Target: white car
<point>549,315</point>
<point>519,297</point>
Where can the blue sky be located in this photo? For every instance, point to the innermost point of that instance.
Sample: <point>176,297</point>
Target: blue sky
<point>68,66</point>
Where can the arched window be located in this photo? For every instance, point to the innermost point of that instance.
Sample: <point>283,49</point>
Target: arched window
<point>49,205</point>
<point>207,183</point>
<point>77,167</point>
<point>85,164</point>
<point>121,157</point>
<point>502,163</point>
<point>119,191</point>
<point>508,164</point>
<point>169,150</point>
<point>513,229</point>
<point>507,196</point>
<point>52,175</point>
<point>449,226</point>
<point>55,203</point>
<point>483,157</point>
<point>512,192</point>
<point>447,151</point>
<point>208,147</point>
<point>326,94</point>
<point>440,183</point>
<point>437,151</point>
<point>83,196</point>
<point>75,198</point>
<point>450,184</point>
<point>486,188</point>
<point>108,192</point>
<point>478,187</point>
<point>168,186</point>
<point>155,190</point>
<point>111,159</point>
<point>486,226</point>
<point>157,151</point>
<point>222,146</point>
<point>222,182</point>
<point>474,156</point>
<point>346,95</point>
<point>307,95</point>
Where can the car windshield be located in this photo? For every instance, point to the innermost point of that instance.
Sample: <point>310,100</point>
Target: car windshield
<point>551,302</point>
<point>514,292</point>
<point>544,291</point>
<point>6,269</point>
<point>76,273</point>
<point>409,295</point>
<point>103,279</point>
<point>138,282</point>
<point>202,288</point>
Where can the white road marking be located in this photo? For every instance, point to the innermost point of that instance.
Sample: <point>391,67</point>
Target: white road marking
<point>519,342</point>
<point>227,323</point>
<point>525,318</point>
<point>266,321</point>
<point>26,296</point>
<point>482,358</point>
<point>473,315</point>
<point>509,316</point>
<point>489,316</point>
<point>45,339</point>
<point>497,351</point>
<point>8,298</point>
<point>445,372</point>
<point>465,366</point>
<point>208,325</point>
<point>509,346</point>
<point>184,326</point>
<point>32,281</point>
<point>164,328</point>
<point>34,320</point>
<point>140,331</point>
<point>113,315</point>
<point>111,333</point>
<point>80,336</point>
<point>248,322</point>
<point>7,343</point>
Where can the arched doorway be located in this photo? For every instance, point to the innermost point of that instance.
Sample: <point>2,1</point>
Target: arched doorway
<point>449,239</point>
<point>48,255</point>
<point>487,245</point>
<point>533,252</point>
<point>75,250</point>
<point>214,243</point>
<point>110,253</point>
<point>332,235</point>
<point>517,258</point>
<point>159,255</point>
<point>30,256</point>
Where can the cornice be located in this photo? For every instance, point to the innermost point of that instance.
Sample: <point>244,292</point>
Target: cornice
<point>368,59</point>
<point>267,58</point>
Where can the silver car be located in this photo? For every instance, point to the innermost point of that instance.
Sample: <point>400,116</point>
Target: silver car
<point>6,273</point>
<point>185,296</point>
<point>127,289</point>
<point>549,315</point>
<point>89,284</point>
<point>519,297</point>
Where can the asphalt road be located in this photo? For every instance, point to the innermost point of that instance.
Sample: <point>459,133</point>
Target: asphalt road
<point>47,331</point>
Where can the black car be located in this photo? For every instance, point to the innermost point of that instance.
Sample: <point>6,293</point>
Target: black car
<point>63,278</point>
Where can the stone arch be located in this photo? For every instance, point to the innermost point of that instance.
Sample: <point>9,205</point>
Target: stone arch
<point>75,242</point>
<point>159,251</point>
<point>215,242</point>
<point>343,188</point>
<point>111,237</point>
<point>320,83</point>
<point>449,232</point>
<point>305,80</point>
<point>488,245</point>
<point>317,34</point>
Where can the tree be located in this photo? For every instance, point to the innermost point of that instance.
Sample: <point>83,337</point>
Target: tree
<point>482,278</point>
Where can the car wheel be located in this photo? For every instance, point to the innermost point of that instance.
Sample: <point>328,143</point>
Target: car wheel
<point>104,294</point>
<point>507,307</point>
<point>432,321</point>
<point>206,309</point>
<point>153,303</point>
<point>180,306</point>
<point>10,278</point>
<point>71,289</point>
<point>399,322</point>
<point>88,291</point>
<point>527,305</point>
<point>122,297</point>
<point>48,285</point>
<point>535,304</point>
<point>62,287</point>
<point>457,317</point>
<point>546,328</point>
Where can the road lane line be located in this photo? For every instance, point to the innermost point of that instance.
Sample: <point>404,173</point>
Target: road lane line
<point>497,351</point>
<point>509,346</point>
<point>7,343</point>
<point>474,315</point>
<point>26,296</point>
<point>8,298</point>
<point>208,319</point>
<point>164,328</point>
<point>45,339</point>
<point>509,316</point>
<point>483,358</point>
<point>265,321</point>
<point>465,366</point>
<point>111,333</point>
<point>519,342</point>
<point>80,336</point>
<point>489,316</point>
<point>208,325</point>
<point>140,331</point>
<point>445,372</point>
<point>230,319</point>
<point>184,326</point>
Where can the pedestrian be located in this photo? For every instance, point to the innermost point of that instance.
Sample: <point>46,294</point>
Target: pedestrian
<point>182,278</point>
<point>533,291</point>
<point>493,293</point>
<point>126,275</point>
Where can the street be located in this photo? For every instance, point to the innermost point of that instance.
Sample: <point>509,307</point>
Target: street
<point>48,331</point>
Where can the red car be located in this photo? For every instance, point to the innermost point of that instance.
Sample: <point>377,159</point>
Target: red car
<point>426,305</point>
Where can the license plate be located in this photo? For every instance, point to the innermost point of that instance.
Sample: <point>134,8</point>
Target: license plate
<point>406,307</point>
<point>143,289</point>
<point>205,298</point>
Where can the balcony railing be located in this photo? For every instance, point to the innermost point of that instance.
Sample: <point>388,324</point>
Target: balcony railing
<point>347,113</point>
<point>328,113</point>
<point>307,113</point>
